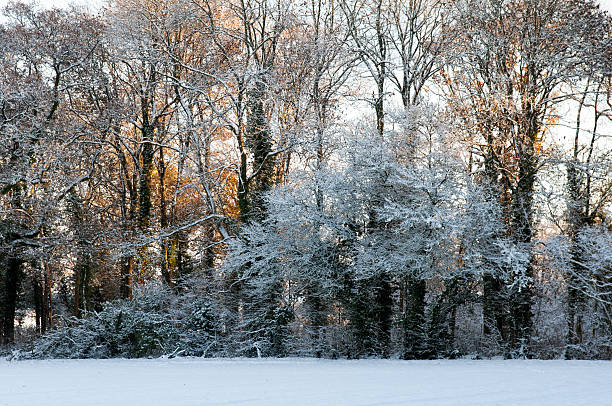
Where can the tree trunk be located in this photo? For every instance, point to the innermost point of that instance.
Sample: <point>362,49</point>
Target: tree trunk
<point>260,143</point>
<point>575,298</point>
<point>522,232</point>
<point>493,308</point>
<point>166,271</point>
<point>12,277</point>
<point>125,289</point>
<point>413,323</point>
<point>144,192</point>
<point>83,300</point>
<point>379,105</point>
<point>383,303</point>
<point>47,300</point>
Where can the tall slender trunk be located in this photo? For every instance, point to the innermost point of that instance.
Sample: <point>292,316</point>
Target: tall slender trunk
<point>82,285</point>
<point>47,302</point>
<point>384,314</point>
<point>125,289</point>
<point>379,105</point>
<point>413,319</point>
<point>494,302</point>
<point>522,232</point>
<point>146,170</point>
<point>38,306</point>
<point>493,309</point>
<point>11,283</point>
<point>166,271</point>
<point>381,69</point>
<point>579,216</point>
<point>259,141</point>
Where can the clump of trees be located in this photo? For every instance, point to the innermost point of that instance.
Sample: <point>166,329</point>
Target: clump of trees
<point>412,179</point>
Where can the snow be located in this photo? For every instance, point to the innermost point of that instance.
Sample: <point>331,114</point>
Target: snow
<point>294,382</point>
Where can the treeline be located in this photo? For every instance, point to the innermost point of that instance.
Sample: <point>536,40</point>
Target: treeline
<point>352,178</point>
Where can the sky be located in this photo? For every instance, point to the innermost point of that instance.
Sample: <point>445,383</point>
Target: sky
<point>605,4</point>
<point>65,3</point>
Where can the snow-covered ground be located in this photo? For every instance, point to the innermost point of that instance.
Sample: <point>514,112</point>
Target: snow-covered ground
<point>293,382</point>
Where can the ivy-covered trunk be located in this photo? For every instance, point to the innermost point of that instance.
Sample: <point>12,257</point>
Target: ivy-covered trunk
<point>521,294</point>
<point>259,141</point>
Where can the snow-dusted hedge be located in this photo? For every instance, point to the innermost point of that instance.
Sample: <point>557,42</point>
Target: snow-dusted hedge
<point>153,323</point>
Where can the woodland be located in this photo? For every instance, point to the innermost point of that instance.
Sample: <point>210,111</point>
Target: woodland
<point>411,179</point>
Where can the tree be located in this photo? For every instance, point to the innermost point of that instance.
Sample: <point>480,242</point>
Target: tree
<point>419,36</point>
<point>43,54</point>
<point>588,192</point>
<point>507,75</point>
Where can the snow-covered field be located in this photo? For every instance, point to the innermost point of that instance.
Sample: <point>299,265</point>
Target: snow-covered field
<point>293,382</point>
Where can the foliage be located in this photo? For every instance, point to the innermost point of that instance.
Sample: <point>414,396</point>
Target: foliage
<point>348,178</point>
<point>153,323</point>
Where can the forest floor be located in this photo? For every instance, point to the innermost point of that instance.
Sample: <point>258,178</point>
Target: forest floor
<point>308,382</point>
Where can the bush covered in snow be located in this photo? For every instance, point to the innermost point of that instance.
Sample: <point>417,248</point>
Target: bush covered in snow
<point>153,323</point>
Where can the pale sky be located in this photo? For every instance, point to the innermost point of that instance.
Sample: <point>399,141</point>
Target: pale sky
<point>64,3</point>
<point>605,4</point>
